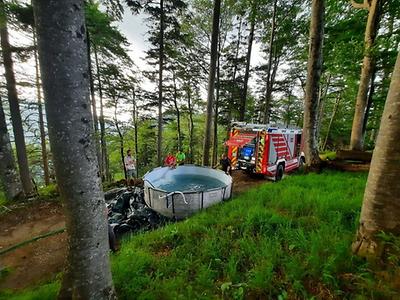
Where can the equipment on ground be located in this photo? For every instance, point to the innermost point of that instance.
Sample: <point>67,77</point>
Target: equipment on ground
<point>267,149</point>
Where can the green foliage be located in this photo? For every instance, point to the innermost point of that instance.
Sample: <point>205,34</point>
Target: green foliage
<point>3,199</point>
<point>49,192</point>
<point>103,34</point>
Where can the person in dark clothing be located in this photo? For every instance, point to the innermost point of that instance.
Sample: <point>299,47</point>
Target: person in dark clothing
<point>225,164</point>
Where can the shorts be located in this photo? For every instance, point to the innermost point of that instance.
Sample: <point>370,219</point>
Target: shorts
<point>130,173</point>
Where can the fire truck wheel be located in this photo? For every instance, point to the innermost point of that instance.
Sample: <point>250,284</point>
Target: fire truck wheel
<point>279,172</point>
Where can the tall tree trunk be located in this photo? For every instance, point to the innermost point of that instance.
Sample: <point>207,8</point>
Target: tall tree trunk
<point>191,124</point>
<point>215,126</point>
<point>178,113</point>
<point>356,140</point>
<point>323,91</point>
<point>14,105</point>
<point>135,123</point>
<point>335,109</point>
<point>8,172</point>
<point>64,67</point>
<point>121,137</point>
<point>288,109</point>
<point>93,100</point>
<point>234,86</point>
<point>41,119</point>
<point>369,102</point>
<point>211,83</point>
<point>381,206</point>
<point>242,110</point>
<point>121,147</point>
<point>314,67</point>
<point>160,85</point>
<point>105,171</point>
<point>268,90</point>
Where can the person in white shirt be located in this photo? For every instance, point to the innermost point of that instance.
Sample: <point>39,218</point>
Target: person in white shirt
<point>130,165</point>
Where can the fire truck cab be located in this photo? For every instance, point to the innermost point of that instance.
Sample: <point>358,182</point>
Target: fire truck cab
<point>268,149</point>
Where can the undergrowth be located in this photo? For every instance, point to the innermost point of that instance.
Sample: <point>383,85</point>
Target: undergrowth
<point>289,240</point>
<point>49,192</point>
<point>3,199</point>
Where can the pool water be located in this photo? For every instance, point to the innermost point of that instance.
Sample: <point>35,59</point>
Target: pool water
<point>188,183</point>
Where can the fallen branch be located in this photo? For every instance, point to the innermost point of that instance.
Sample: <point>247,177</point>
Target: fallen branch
<point>14,247</point>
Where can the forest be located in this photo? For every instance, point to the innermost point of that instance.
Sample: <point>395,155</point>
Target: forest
<point>74,97</point>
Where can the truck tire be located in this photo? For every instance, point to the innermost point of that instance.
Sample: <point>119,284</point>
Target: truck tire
<point>279,172</point>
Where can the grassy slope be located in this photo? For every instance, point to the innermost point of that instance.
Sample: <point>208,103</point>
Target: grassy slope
<point>286,240</point>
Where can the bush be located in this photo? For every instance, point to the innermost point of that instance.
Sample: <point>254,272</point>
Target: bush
<point>49,192</point>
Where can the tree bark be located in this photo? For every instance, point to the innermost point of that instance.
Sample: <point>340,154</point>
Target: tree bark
<point>41,119</point>
<point>160,85</point>
<point>242,111</point>
<point>14,105</point>
<point>356,140</point>
<point>314,67</point>
<point>64,69</point>
<point>211,83</point>
<point>381,206</point>
<point>268,90</point>
<point>8,171</point>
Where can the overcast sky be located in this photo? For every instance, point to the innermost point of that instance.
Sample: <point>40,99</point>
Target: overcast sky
<point>134,28</point>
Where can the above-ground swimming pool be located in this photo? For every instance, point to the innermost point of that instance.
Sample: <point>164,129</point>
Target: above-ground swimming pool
<point>182,191</point>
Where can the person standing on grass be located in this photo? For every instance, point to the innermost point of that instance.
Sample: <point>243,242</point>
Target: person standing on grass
<point>130,165</point>
<point>225,164</point>
<point>180,158</point>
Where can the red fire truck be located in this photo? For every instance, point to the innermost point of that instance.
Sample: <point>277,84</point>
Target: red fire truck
<point>268,149</point>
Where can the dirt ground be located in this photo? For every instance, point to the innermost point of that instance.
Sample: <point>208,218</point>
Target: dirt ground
<point>42,260</point>
<point>37,261</point>
<point>243,181</point>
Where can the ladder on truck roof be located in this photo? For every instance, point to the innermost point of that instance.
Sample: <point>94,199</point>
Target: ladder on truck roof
<point>276,128</point>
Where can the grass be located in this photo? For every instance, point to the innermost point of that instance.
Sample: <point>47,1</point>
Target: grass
<point>49,192</point>
<point>3,199</point>
<point>288,240</point>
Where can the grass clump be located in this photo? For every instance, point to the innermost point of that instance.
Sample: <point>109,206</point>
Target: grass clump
<point>3,199</point>
<point>49,192</point>
<point>289,240</point>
